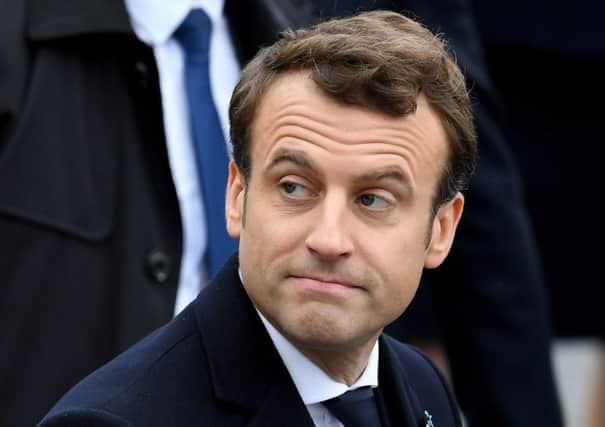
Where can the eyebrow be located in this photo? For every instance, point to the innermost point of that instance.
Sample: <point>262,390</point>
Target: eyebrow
<point>289,156</point>
<point>392,173</point>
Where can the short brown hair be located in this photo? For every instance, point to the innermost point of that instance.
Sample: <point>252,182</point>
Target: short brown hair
<point>378,60</point>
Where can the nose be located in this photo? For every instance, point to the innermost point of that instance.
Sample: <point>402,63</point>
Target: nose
<point>330,234</point>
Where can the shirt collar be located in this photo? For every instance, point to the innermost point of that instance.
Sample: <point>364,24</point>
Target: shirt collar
<point>313,384</point>
<point>154,21</point>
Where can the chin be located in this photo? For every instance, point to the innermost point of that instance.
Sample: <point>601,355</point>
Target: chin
<point>322,332</point>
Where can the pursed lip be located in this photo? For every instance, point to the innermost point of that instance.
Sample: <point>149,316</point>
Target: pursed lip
<point>324,282</point>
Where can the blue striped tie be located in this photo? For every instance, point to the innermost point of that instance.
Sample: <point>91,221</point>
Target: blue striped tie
<point>210,148</point>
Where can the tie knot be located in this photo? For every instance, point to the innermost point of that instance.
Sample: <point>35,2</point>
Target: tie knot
<point>355,408</point>
<point>194,32</point>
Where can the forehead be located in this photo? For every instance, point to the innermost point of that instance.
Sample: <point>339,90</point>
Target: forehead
<point>295,113</point>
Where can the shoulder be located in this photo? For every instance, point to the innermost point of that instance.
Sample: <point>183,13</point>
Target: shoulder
<point>429,388</point>
<point>139,383</point>
<point>418,365</point>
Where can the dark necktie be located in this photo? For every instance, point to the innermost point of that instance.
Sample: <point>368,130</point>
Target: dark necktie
<point>355,408</point>
<point>210,149</point>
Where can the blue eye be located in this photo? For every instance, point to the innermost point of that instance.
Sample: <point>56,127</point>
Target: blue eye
<point>372,201</point>
<point>293,189</point>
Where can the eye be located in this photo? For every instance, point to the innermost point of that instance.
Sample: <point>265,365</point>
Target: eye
<point>294,189</point>
<point>373,201</point>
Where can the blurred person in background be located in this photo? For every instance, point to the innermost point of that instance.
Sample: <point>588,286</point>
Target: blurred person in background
<point>547,60</point>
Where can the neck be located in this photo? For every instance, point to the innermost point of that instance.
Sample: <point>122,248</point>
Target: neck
<point>344,366</point>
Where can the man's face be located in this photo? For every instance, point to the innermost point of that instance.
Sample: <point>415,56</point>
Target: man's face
<point>337,211</point>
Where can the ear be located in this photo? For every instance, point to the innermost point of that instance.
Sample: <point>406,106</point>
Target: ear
<point>444,228</point>
<point>234,201</point>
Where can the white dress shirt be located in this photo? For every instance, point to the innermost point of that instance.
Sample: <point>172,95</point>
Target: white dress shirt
<point>313,384</point>
<point>154,22</point>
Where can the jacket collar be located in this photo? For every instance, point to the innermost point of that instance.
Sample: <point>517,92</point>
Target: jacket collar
<point>245,368</point>
<point>399,397</point>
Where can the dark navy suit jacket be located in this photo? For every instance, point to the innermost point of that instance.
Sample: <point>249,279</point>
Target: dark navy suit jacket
<point>215,365</point>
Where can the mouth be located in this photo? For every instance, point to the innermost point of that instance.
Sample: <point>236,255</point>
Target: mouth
<point>323,283</point>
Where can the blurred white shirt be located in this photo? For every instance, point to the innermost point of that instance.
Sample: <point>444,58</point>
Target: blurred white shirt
<point>154,22</point>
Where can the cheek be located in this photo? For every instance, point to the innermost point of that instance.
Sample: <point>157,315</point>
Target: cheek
<point>399,292</point>
<point>396,248</point>
<point>272,231</point>
<point>268,236</point>
<point>268,232</point>
<point>399,261</point>
<point>403,278</point>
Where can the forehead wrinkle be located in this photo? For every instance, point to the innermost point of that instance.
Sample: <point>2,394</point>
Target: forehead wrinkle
<point>391,143</point>
<point>299,112</point>
<point>303,125</point>
<point>291,108</point>
<point>378,139</point>
<point>288,116</point>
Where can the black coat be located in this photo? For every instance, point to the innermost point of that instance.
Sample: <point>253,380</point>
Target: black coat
<point>215,365</point>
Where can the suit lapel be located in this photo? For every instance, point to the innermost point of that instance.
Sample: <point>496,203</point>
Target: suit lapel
<point>245,368</point>
<point>282,406</point>
<point>397,396</point>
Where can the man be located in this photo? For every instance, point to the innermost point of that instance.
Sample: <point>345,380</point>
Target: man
<point>352,141</point>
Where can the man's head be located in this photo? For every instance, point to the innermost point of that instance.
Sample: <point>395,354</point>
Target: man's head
<point>352,141</point>
<point>378,60</point>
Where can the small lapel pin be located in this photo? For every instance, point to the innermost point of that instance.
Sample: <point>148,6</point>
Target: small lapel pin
<point>428,419</point>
